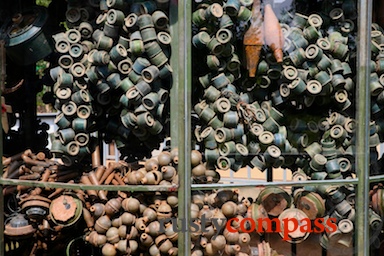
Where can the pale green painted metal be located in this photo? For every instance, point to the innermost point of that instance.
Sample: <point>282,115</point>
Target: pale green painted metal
<point>272,184</point>
<point>176,114</point>
<point>363,101</point>
<point>376,178</point>
<point>128,188</point>
<point>165,188</point>
<point>179,119</point>
<point>180,114</point>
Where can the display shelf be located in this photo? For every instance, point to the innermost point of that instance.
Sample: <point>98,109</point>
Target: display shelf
<point>362,147</point>
<point>180,26</point>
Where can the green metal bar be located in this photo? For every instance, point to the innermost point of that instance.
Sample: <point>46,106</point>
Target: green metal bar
<point>71,186</point>
<point>146,188</point>
<point>180,106</point>
<point>363,104</point>
<point>272,184</point>
<point>183,123</point>
<point>175,113</point>
<point>174,62</point>
<point>376,178</point>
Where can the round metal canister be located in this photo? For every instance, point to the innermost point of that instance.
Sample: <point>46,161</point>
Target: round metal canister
<point>296,236</point>
<point>312,204</point>
<point>275,200</point>
<point>256,212</point>
<point>26,41</point>
<point>65,210</point>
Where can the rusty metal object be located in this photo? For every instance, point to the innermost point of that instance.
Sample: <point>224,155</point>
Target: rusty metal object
<point>96,157</point>
<point>254,39</point>
<point>311,203</point>
<point>18,226</point>
<point>28,31</point>
<point>34,201</point>
<point>298,235</point>
<point>65,210</point>
<point>274,200</point>
<point>274,38</point>
<point>131,84</point>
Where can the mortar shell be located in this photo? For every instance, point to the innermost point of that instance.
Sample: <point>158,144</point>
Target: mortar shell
<point>104,43</point>
<point>125,66</point>
<point>111,30</point>
<point>160,19</point>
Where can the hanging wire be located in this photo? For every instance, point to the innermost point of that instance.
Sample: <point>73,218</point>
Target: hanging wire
<point>78,252</point>
<point>12,206</point>
<point>19,8</point>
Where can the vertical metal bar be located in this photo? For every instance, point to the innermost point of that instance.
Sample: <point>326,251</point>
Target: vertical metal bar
<point>293,249</point>
<point>174,62</point>
<point>362,130</point>
<point>2,84</point>
<point>180,15</point>
<point>323,251</point>
<point>174,107</point>
<point>269,174</point>
<point>3,71</point>
<point>187,68</point>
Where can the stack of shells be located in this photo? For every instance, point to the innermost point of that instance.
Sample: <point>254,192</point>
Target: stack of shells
<point>200,171</point>
<point>131,225</point>
<point>264,121</point>
<point>376,86</point>
<point>113,75</point>
<point>137,224</point>
<point>376,131</point>
<point>160,170</point>
<point>223,205</point>
<point>117,223</point>
<point>311,202</point>
<point>335,202</point>
<point>377,212</point>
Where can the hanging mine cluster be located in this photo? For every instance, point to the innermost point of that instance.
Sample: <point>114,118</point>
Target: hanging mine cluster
<point>112,76</point>
<point>297,112</point>
<point>264,120</point>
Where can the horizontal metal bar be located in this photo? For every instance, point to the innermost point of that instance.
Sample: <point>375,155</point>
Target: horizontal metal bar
<point>270,184</point>
<point>143,188</point>
<point>376,178</point>
<point>129,188</point>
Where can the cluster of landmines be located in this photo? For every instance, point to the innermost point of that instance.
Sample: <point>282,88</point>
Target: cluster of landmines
<point>118,223</point>
<point>297,112</point>
<point>112,75</point>
<point>292,113</point>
